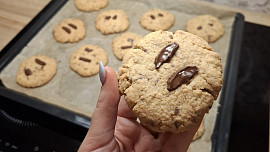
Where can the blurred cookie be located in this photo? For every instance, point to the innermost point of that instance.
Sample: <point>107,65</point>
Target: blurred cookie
<point>36,71</point>
<point>170,79</point>
<point>112,21</point>
<point>85,60</point>
<point>199,132</point>
<point>157,19</point>
<point>207,27</point>
<point>90,5</point>
<point>124,43</point>
<point>69,30</point>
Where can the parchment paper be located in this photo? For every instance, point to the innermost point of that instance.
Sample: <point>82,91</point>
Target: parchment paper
<point>79,94</point>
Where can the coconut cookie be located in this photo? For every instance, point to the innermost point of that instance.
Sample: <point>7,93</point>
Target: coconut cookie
<point>85,60</point>
<point>36,71</point>
<point>90,5</point>
<point>207,27</point>
<point>112,21</point>
<point>124,43</point>
<point>69,30</point>
<point>157,19</point>
<point>170,79</point>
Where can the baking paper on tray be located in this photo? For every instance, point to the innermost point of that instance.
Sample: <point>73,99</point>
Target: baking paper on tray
<point>79,94</point>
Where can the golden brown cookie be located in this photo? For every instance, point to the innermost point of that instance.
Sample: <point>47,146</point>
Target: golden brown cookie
<point>90,5</point>
<point>36,71</point>
<point>85,60</point>
<point>112,21</point>
<point>157,19</point>
<point>199,132</point>
<point>170,79</point>
<point>207,27</point>
<point>124,43</point>
<point>69,30</point>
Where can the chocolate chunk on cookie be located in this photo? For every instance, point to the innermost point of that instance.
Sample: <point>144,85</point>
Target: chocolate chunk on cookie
<point>36,71</point>
<point>112,21</point>
<point>69,30</point>
<point>90,5</point>
<point>85,60</point>
<point>207,27</point>
<point>124,43</point>
<point>170,79</point>
<point>157,19</point>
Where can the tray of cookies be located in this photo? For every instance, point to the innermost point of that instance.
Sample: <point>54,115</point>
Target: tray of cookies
<point>52,64</point>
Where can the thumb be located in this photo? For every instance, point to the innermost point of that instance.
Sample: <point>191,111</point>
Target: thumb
<point>105,114</point>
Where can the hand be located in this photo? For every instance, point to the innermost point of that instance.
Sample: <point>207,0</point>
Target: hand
<point>114,127</point>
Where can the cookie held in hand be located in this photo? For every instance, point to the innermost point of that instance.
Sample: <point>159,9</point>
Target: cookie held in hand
<point>170,80</point>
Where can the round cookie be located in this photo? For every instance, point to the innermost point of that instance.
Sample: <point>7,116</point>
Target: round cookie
<point>90,5</point>
<point>199,132</point>
<point>85,60</point>
<point>36,71</point>
<point>170,79</point>
<point>124,43</point>
<point>207,27</point>
<point>157,19</point>
<point>112,21</point>
<point>69,30</point>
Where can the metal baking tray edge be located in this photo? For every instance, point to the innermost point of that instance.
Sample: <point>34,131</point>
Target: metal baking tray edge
<point>221,132</point>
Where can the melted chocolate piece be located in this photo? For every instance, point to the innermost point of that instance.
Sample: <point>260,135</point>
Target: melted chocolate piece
<point>210,24</point>
<point>72,25</point>
<point>152,17</point>
<point>126,47</point>
<point>66,29</point>
<point>27,72</point>
<point>171,37</point>
<point>107,17</point>
<point>181,77</point>
<point>199,27</point>
<point>166,54</point>
<point>159,14</point>
<point>88,50</point>
<point>85,59</point>
<point>115,17</point>
<point>176,110</point>
<point>38,61</point>
<point>176,124</point>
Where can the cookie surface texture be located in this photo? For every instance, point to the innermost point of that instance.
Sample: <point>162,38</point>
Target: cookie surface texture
<point>170,79</point>
<point>36,71</point>
<point>85,60</point>
<point>124,43</point>
<point>207,27</point>
<point>157,19</point>
<point>69,30</point>
<point>90,5</point>
<point>112,21</point>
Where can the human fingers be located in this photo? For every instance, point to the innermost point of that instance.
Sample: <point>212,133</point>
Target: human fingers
<point>124,110</point>
<point>104,117</point>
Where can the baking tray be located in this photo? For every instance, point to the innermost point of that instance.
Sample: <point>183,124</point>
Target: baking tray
<point>222,126</point>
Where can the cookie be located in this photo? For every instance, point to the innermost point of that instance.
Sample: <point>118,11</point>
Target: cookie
<point>85,60</point>
<point>157,19</point>
<point>207,27</point>
<point>170,79</point>
<point>90,5</point>
<point>199,132</point>
<point>36,71</point>
<point>69,30</point>
<point>112,21</point>
<point>124,43</point>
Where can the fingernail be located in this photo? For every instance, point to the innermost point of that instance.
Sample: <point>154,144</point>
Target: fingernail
<point>102,73</point>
